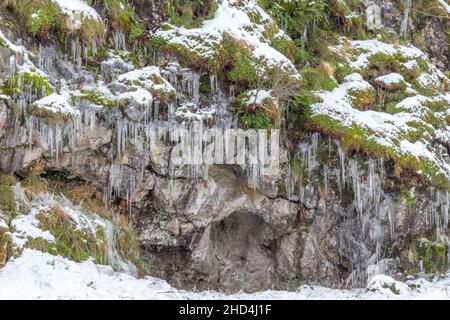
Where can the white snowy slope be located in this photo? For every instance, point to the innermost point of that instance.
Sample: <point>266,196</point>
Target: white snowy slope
<point>53,277</point>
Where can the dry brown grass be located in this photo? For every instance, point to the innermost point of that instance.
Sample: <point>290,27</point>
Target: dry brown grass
<point>35,185</point>
<point>327,68</point>
<point>60,216</point>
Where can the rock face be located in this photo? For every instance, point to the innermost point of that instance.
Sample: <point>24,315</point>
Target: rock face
<point>331,217</point>
<point>401,17</point>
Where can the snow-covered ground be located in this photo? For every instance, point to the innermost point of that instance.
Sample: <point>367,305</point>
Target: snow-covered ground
<point>37,275</point>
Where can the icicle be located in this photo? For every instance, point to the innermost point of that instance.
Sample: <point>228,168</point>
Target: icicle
<point>342,162</point>
<point>213,83</point>
<point>325,177</point>
<point>404,25</point>
<point>119,40</point>
<point>94,47</point>
<point>113,256</point>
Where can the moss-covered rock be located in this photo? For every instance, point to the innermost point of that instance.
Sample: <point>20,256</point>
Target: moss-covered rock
<point>246,51</point>
<point>47,18</point>
<point>379,110</point>
<point>430,255</point>
<point>96,97</point>
<point>55,108</point>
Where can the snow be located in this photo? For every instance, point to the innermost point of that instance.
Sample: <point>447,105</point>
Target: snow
<point>411,64</point>
<point>27,66</point>
<point>427,80</point>
<point>367,48</point>
<point>139,97</point>
<point>392,78</point>
<point>231,18</point>
<point>258,97</point>
<point>70,7</point>
<point>9,44</point>
<point>3,224</point>
<point>57,103</point>
<point>418,149</point>
<point>115,65</point>
<point>77,11</point>
<point>52,277</point>
<point>445,5</point>
<point>27,226</point>
<point>146,78</point>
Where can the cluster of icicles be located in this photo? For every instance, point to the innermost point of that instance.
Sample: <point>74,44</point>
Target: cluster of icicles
<point>365,181</point>
<point>64,137</point>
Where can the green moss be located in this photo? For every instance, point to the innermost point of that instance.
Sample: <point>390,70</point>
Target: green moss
<point>419,131</point>
<point>5,246</point>
<point>387,100</point>
<point>91,29</point>
<point>381,64</point>
<point>44,19</point>
<point>423,65</point>
<point>437,105</point>
<point>96,97</point>
<point>136,32</point>
<point>255,119</point>
<point>179,52</point>
<point>190,14</point>
<point>434,255</point>
<point>412,73</point>
<point>389,36</point>
<point>391,287</point>
<point>298,111</point>
<point>362,99</point>
<point>326,125</point>
<point>20,82</point>
<point>121,15</point>
<point>281,43</point>
<point>316,79</point>
<point>7,200</point>
<point>341,70</point>
<point>157,42</point>
<point>258,116</point>
<point>243,71</point>
<point>355,27</point>
<point>410,199</point>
